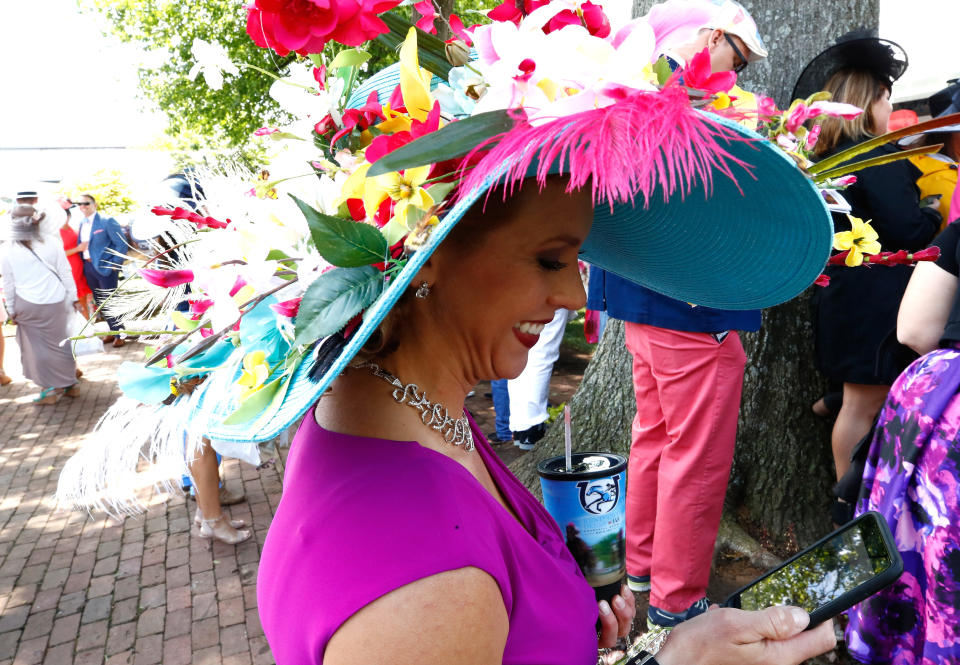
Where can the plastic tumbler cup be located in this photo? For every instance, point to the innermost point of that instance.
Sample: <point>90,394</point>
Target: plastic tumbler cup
<point>588,504</point>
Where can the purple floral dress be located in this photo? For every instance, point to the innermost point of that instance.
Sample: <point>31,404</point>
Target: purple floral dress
<point>912,478</point>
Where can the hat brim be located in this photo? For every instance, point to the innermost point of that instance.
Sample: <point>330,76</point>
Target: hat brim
<point>741,245</point>
<point>885,58</point>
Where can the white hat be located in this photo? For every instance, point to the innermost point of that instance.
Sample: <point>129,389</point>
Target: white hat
<point>732,18</point>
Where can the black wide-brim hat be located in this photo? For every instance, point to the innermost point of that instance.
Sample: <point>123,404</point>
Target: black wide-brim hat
<point>858,49</point>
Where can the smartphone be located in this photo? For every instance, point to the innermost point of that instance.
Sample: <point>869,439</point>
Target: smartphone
<point>832,575</point>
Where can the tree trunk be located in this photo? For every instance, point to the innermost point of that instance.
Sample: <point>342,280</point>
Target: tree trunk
<point>783,468</point>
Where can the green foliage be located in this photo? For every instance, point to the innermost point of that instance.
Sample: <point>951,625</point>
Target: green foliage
<point>343,242</point>
<point>221,120</point>
<point>108,186</point>
<point>333,299</point>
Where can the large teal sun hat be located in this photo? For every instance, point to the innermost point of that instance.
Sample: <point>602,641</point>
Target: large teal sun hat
<point>745,243</point>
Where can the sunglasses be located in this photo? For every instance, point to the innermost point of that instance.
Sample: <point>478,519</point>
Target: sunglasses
<point>739,67</point>
<point>84,203</point>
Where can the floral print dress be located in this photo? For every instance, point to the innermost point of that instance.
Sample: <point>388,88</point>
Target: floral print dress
<point>912,477</point>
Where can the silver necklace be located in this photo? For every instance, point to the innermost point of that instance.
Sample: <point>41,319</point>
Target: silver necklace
<point>433,414</point>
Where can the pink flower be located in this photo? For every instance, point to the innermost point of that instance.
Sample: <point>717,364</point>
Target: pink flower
<point>928,254</point>
<point>456,27</point>
<point>835,109</point>
<point>320,76</point>
<point>822,280</point>
<point>288,308</point>
<point>427,15</point>
<point>198,307</point>
<point>788,143</point>
<point>237,285</point>
<point>526,67</point>
<point>699,74</point>
<point>812,136</point>
<point>161,211</point>
<point>796,116</point>
<point>305,26</point>
<point>508,10</point>
<point>846,181</point>
<point>166,278</point>
<point>265,131</point>
<point>766,108</point>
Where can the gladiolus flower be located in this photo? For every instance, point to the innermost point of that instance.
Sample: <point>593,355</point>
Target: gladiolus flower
<point>427,15</point>
<point>288,308</point>
<point>928,254</point>
<point>508,11</point>
<point>766,108</point>
<point>320,76</point>
<point>166,278</point>
<point>835,109</point>
<point>812,136</point>
<point>265,131</point>
<point>845,181</point>
<point>822,280</point>
<point>796,116</point>
<point>859,240</point>
<point>699,74</point>
<point>198,307</point>
<point>456,27</point>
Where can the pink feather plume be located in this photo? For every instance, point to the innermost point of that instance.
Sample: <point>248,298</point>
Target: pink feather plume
<point>626,149</point>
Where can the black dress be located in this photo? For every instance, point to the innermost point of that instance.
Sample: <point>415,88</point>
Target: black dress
<point>855,316</point>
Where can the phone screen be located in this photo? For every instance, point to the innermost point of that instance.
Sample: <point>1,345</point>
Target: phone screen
<point>839,565</point>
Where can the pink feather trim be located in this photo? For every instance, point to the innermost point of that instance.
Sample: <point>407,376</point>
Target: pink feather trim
<point>629,148</point>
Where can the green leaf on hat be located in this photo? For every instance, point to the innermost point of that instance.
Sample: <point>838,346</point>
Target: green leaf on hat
<point>316,59</point>
<point>351,57</point>
<point>853,167</point>
<point>431,50</point>
<point>333,299</point>
<point>830,163</point>
<point>450,141</point>
<point>256,403</point>
<point>343,242</point>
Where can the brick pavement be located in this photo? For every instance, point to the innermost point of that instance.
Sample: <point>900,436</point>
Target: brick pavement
<point>87,589</point>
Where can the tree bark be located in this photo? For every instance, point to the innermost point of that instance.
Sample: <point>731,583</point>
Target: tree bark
<point>783,468</point>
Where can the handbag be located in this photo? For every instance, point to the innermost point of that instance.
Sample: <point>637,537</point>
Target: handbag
<point>82,347</point>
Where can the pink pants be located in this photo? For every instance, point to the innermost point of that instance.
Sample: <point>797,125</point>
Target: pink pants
<point>688,389</point>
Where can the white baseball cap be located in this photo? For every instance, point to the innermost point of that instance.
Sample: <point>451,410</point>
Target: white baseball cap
<point>732,18</point>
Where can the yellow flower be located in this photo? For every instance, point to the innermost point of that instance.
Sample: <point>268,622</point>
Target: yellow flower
<point>860,239</point>
<point>404,188</point>
<point>414,81</point>
<point>255,372</point>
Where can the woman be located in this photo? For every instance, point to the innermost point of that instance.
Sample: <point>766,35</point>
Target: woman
<point>72,248</point>
<point>39,292</point>
<point>487,590</point>
<point>911,476</point>
<point>855,315</point>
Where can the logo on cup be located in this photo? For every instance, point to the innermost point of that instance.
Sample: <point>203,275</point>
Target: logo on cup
<point>600,496</point>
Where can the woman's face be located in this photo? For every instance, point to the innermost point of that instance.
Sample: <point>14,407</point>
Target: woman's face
<point>880,112</point>
<point>493,292</point>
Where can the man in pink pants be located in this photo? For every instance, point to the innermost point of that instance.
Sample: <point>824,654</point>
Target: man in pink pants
<point>687,373</point>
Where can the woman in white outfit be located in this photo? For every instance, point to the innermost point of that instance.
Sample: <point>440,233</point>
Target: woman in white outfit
<point>39,294</point>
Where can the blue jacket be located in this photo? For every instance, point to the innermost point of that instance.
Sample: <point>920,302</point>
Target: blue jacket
<point>624,300</point>
<point>106,234</point>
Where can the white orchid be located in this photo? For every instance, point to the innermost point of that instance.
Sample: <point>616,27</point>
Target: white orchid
<point>299,95</point>
<point>213,61</point>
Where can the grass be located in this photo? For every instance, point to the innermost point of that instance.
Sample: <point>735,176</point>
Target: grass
<point>573,339</point>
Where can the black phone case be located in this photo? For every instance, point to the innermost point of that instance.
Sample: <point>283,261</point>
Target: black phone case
<point>851,598</point>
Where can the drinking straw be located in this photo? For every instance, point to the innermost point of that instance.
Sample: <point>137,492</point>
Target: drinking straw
<point>567,445</point>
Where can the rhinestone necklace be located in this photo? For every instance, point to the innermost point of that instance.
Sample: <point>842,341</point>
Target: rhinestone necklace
<point>433,414</point>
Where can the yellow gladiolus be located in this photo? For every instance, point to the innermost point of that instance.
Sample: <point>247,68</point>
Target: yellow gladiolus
<point>414,81</point>
<point>859,240</point>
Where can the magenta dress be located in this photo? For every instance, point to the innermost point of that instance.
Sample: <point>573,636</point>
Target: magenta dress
<point>360,517</point>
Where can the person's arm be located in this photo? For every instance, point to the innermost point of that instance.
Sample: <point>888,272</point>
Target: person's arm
<point>118,239</point>
<point>724,636</point>
<point>75,250</point>
<point>925,307</point>
<point>65,274</point>
<point>9,284</point>
<point>453,617</point>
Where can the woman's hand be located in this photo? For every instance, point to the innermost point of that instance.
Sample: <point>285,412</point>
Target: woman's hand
<point>725,635</point>
<point>616,617</point>
<point>77,307</point>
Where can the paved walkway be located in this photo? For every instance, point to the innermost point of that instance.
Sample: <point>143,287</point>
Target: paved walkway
<point>78,588</point>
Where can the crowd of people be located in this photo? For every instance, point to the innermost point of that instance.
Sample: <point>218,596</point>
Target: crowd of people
<point>475,561</point>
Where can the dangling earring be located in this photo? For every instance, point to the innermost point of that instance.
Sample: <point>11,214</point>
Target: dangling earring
<point>423,290</point>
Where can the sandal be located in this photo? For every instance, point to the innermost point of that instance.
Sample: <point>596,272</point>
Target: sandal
<point>49,396</point>
<point>72,391</point>
<point>219,529</point>
<point>198,520</point>
<point>4,379</point>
